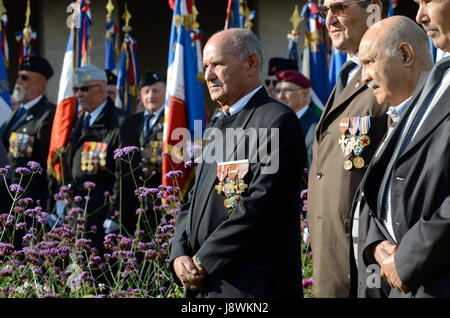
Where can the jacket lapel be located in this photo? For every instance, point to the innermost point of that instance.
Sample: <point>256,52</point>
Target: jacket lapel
<point>210,170</point>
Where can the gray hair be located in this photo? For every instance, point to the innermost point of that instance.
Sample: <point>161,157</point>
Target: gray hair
<point>245,43</point>
<point>408,31</point>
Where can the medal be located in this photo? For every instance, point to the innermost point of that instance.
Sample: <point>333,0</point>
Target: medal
<point>358,162</point>
<point>358,150</point>
<point>221,174</point>
<point>348,165</point>
<point>343,126</point>
<point>354,125</point>
<point>343,143</point>
<point>364,141</point>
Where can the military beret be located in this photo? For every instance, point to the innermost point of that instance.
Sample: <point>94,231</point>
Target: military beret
<point>150,78</point>
<point>112,78</point>
<point>294,77</point>
<point>36,64</point>
<point>89,73</point>
<point>277,64</point>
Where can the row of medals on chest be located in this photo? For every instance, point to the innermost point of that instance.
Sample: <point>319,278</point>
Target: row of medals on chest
<point>93,155</point>
<point>354,140</point>
<point>231,183</point>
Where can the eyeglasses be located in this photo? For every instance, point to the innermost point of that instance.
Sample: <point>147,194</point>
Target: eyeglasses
<point>83,89</point>
<point>337,8</point>
<point>271,82</point>
<point>23,77</point>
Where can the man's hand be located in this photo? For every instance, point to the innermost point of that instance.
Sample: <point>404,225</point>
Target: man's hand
<point>188,273</point>
<point>383,250</point>
<point>389,272</point>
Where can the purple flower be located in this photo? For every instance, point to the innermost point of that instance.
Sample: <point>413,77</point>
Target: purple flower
<point>21,225</point>
<point>174,174</point>
<point>307,282</point>
<point>303,194</point>
<point>78,199</point>
<point>140,211</point>
<point>6,249</point>
<point>4,170</point>
<point>5,272</point>
<point>23,171</point>
<point>188,164</point>
<point>121,152</point>
<point>15,188</point>
<point>18,210</point>
<point>25,201</point>
<point>89,185</point>
<point>35,166</point>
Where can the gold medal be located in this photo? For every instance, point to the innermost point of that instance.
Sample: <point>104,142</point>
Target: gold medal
<point>358,162</point>
<point>348,165</point>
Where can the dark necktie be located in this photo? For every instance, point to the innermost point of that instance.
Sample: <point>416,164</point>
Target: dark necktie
<point>87,121</point>
<point>343,76</point>
<point>147,128</point>
<point>226,112</point>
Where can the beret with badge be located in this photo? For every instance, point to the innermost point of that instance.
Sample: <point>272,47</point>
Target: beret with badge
<point>87,73</point>
<point>36,64</point>
<point>294,77</point>
<point>150,78</point>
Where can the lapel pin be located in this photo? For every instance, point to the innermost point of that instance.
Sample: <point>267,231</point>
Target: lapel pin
<point>357,85</point>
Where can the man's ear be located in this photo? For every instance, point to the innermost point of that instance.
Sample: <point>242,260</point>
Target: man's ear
<point>253,62</point>
<point>407,53</point>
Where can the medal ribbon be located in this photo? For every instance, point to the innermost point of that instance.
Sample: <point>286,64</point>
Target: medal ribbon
<point>343,126</point>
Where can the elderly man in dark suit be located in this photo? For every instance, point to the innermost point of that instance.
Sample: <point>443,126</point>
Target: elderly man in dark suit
<point>294,90</point>
<point>99,131</point>
<point>347,135</point>
<point>409,227</point>
<point>240,234</point>
<point>26,135</point>
<point>396,62</point>
<point>151,124</point>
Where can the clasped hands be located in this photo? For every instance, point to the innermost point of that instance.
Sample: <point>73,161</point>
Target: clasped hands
<point>189,272</point>
<point>384,254</point>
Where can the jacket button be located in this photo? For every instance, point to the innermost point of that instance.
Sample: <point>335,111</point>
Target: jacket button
<point>319,175</point>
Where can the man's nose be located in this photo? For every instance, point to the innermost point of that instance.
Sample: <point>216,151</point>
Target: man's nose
<point>210,75</point>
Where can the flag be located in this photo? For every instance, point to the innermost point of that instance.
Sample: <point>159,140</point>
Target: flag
<point>128,77</point>
<point>25,42</point>
<point>338,58</point>
<point>77,54</point>
<point>3,32</point>
<point>185,89</point>
<point>239,15</point>
<point>5,102</point>
<point>293,37</point>
<point>314,59</point>
<point>111,45</point>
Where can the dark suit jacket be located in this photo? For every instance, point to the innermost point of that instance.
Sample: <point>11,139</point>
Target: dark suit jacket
<point>36,123</point>
<point>115,128</point>
<point>331,188</point>
<point>148,151</point>
<point>420,201</point>
<point>361,276</point>
<point>256,251</point>
<point>308,122</point>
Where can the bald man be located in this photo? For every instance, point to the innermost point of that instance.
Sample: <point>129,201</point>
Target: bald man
<point>404,192</point>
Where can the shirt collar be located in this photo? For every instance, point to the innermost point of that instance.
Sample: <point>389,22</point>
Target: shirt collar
<point>236,107</point>
<point>96,112</point>
<point>32,102</point>
<point>395,112</point>
<point>302,112</point>
<point>157,113</point>
<point>354,58</point>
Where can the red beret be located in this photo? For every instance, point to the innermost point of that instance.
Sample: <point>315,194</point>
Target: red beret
<point>294,77</point>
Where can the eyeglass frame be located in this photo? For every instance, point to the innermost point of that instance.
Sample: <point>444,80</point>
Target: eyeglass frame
<point>269,81</point>
<point>83,89</point>
<point>23,77</point>
<point>288,90</point>
<point>343,7</point>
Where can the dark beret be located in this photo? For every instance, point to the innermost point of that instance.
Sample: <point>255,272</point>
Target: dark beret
<point>36,64</point>
<point>277,64</point>
<point>151,78</point>
<point>112,78</point>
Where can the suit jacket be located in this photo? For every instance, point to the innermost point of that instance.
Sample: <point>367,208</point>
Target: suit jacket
<point>35,128</point>
<point>420,200</point>
<point>255,252</point>
<point>151,147</point>
<point>331,188</point>
<point>361,276</point>
<point>115,129</point>
<point>308,122</point>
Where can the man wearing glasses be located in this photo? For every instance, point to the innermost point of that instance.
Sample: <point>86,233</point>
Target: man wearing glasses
<point>347,135</point>
<point>26,135</point>
<point>277,64</point>
<point>100,129</point>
